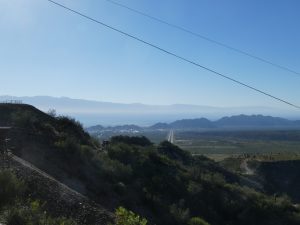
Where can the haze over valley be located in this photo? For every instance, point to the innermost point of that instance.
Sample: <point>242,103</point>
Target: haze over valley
<point>91,113</point>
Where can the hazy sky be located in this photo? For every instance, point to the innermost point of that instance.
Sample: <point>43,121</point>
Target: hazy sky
<point>45,50</point>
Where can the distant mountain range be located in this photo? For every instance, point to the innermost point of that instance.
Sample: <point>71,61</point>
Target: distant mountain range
<point>255,121</point>
<point>107,113</point>
<point>186,124</point>
<point>233,122</point>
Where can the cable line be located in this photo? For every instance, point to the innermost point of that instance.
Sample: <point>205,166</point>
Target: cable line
<point>204,37</point>
<point>174,55</point>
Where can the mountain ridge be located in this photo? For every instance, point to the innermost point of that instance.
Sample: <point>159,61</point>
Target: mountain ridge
<point>91,112</point>
<point>238,121</point>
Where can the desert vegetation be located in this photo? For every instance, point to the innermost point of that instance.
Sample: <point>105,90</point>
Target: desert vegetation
<point>153,183</point>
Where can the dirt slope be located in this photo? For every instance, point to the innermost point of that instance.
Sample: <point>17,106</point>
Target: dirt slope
<point>60,199</point>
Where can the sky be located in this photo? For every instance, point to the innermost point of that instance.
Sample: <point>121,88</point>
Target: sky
<point>45,50</point>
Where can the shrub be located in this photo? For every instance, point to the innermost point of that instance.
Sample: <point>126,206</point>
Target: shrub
<point>72,128</point>
<point>23,119</point>
<point>10,188</point>
<point>197,221</point>
<point>173,152</point>
<point>179,212</point>
<point>52,113</point>
<point>140,141</point>
<point>15,217</point>
<point>126,217</point>
<point>33,214</point>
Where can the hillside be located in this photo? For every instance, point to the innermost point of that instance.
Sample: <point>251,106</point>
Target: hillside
<point>54,197</point>
<point>281,177</point>
<point>162,183</point>
<point>278,173</point>
<point>10,112</point>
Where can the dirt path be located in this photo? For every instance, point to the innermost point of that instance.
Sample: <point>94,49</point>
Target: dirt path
<point>250,179</point>
<point>244,166</point>
<point>42,173</point>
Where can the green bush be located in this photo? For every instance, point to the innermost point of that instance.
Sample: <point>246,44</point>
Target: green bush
<point>33,215</point>
<point>140,141</point>
<point>197,221</point>
<point>15,217</point>
<point>10,188</point>
<point>23,119</point>
<point>179,212</point>
<point>126,217</point>
<point>174,152</point>
<point>72,128</point>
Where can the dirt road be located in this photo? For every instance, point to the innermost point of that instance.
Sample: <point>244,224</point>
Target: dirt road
<point>246,168</point>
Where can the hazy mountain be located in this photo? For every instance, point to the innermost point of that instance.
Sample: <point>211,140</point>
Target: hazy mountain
<point>159,126</point>
<point>185,124</point>
<point>94,129</point>
<point>107,113</point>
<point>192,124</point>
<point>236,122</point>
<point>254,121</point>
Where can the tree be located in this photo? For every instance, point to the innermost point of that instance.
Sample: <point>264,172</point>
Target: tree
<point>52,112</point>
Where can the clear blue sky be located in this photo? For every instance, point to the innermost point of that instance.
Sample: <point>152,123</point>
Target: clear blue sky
<point>45,50</point>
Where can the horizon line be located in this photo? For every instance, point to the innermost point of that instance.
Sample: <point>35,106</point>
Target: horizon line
<point>140,103</point>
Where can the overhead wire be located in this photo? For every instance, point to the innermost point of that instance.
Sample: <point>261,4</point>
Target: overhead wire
<point>203,37</point>
<point>174,55</point>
